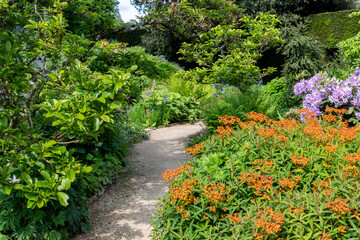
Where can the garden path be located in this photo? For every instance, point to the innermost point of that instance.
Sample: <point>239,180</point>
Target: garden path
<point>123,212</point>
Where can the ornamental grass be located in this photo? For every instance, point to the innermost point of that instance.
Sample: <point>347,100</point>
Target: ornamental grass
<point>267,179</point>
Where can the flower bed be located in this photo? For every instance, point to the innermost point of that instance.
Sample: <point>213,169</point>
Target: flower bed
<point>266,179</point>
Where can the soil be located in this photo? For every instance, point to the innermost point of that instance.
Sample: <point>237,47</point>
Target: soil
<point>124,210</point>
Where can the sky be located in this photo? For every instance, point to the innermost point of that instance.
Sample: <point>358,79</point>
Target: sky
<point>127,11</point>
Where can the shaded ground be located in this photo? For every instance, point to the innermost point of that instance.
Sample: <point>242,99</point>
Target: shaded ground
<point>124,210</point>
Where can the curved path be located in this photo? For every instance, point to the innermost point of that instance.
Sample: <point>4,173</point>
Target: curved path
<point>124,210</point>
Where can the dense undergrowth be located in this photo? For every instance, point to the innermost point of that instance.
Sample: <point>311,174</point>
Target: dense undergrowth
<point>267,179</point>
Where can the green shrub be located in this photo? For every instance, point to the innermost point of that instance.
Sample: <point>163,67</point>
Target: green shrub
<point>266,179</point>
<point>333,27</point>
<point>58,125</point>
<point>238,104</point>
<point>161,106</point>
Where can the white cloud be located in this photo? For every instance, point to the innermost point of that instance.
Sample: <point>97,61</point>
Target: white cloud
<point>127,11</point>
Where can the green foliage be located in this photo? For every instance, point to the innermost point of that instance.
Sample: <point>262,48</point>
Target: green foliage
<point>162,106</point>
<point>182,82</point>
<point>59,124</point>
<point>92,18</point>
<point>301,7</point>
<point>219,38</point>
<point>333,27</point>
<point>350,48</point>
<point>304,55</point>
<point>238,104</point>
<point>266,179</point>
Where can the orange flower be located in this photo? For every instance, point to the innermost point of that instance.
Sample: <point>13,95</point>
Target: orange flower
<point>342,229</point>
<point>288,184</point>
<point>223,132</point>
<point>195,150</point>
<point>228,120</point>
<point>171,174</point>
<point>259,236</point>
<point>260,183</point>
<point>339,206</point>
<point>351,171</point>
<point>269,220</point>
<point>256,117</point>
<point>183,193</point>
<point>353,157</point>
<point>215,192</point>
<point>235,218</point>
<point>266,132</point>
<point>324,236</point>
<point>300,161</point>
<point>263,163</point>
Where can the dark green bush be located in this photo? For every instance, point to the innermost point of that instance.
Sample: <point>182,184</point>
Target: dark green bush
<point>333,27</point>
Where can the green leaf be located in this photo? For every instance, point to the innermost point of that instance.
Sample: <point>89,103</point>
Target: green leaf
<point>102,100</point>
<point>105,118</point>
<point>26,178</point>
<point>50,143</point>
<point>83,109</point>
<point>115,104</point>
<point>66,183</point>
<point>71,175</point>
<point>40,203</point>
<point>8,46</point>
<point>97,123</point>
<point>63,198</point>
<point>32,196</point>
<point>80,116</point>
<point>57,122</point>
<point>46,175</point>
<point>87,169</point>
<point>8,189</point>
<point>30,204</point>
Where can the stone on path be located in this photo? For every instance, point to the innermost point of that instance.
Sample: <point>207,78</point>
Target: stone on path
<point>123,212</point>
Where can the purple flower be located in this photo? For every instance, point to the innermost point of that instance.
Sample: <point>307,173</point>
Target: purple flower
<point>341,94</point>
<point>148,93</point>
<point>357,115</point>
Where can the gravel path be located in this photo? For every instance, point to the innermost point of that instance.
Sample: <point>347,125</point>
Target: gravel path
<point>124,210</point>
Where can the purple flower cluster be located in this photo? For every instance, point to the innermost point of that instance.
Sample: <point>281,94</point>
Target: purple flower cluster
<point>321,89</point>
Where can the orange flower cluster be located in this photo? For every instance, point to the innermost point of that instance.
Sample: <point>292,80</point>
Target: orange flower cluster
<point>259,236</point>
<point>353,158</point>
<point>342,229</point>
<point>281,137</point>
<point>235,218</point>
<point>296,210</point>
<point>257,117</point>
<point>260,183</point>
<point>228,120</point>
<point>350,171</point>
<point>263,163</point>
<point>313,129</point>
<point>288,184</point>
<point>247,124</point>
<point>348,134</point>
<point>322,186</point>
<point>324,236</point>
<point>195,150</point>
<point>330,148</point>
<point>329,118</point>
<point>223,132</point>
<point>337,111</point>
<point>287,124</point>
<point>269,220</point>
<point>339,206</point>
<point>171,174</point>
<point>183,192</point>
<point>299,161</point>
<point>266,132</point>
<point>215,192</point>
